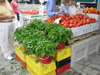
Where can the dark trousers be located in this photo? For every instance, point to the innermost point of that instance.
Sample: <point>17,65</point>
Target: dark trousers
<point>17,16</point>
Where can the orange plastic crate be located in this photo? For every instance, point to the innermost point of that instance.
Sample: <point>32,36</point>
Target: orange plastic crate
<point>21,61</point>
<point>17,57</point>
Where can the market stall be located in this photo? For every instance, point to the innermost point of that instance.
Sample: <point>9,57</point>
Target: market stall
<point>49,47</point>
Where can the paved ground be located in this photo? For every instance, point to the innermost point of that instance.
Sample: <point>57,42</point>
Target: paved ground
<point>89,67</point>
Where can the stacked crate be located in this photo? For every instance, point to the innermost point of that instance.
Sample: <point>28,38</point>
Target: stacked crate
<point>21,55</point>
<point>30,64</point>
<point>54,68</point>
<point>63,60</point>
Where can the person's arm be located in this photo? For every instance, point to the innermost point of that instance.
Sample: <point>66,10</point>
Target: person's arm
<point>49,8</point>
<point>3,17</point>
<point>63,7</point>
<point>20,10</point>
<point>6,17</point>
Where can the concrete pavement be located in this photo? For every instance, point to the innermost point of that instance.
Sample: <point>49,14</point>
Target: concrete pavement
<point>89,67</point>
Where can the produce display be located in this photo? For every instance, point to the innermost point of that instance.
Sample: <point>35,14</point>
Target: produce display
<point>76,21</point>
<point>32,12</point>
<point>91,10</point>
<point>42,38</point>
<point>52,19</point>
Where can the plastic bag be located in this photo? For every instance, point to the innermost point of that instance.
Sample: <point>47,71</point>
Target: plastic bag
<point>79,10</point>
<point>72,10</point>
<point>16,23</point>
<point>57,20</point>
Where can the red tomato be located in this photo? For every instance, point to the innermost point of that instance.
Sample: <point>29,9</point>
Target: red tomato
<point>63,10</point>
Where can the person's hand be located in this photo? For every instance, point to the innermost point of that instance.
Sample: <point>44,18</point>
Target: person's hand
<point>61,12</point>
<point>15,14</point>
<point>11,17</point>
<point>20,11</point>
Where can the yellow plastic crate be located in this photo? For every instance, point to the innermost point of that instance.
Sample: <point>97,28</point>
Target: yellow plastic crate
<point>29,58</point>
<point>39,70</point>
<point>32,72</point>
<point>19,50</point>
<point>16,50</point>
<point>64,53</point>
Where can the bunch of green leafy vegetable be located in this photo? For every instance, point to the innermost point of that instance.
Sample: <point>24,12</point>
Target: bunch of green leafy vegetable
<point>54,32</point>
<point>45,47</point>
<point>42,38</point>
<point>58,33</point>
<point>29,38</point>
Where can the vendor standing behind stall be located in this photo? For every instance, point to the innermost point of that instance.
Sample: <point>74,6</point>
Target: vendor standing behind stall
<point>65,6</point>
<point>51,9</point>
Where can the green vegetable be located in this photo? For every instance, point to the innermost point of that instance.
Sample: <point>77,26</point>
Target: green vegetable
<point>42,38</point>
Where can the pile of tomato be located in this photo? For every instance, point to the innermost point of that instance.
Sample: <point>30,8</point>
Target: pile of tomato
<point>52,19</point>
<point>76,21</point>
<point>32,12</point>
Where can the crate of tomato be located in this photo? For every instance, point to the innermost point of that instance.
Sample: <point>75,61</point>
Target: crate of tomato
<point>80,23</point>
<point>31,12</point>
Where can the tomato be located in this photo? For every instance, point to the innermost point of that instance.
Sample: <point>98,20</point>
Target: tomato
<point>70,25</point>
<point>87,21</point>
<point>66,18</point>
<point>69,18</point>
<point>65,25</point>
<point>63,11</point>
<point>71,21</point>
<point>44,11</point>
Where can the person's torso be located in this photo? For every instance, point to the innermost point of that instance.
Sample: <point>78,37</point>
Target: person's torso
<point>53,6</point>
<point>15,7</point>
<point>66,6</point>
<point>5,12</point>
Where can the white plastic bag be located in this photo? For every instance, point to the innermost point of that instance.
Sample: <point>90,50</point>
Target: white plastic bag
<point>72,9</point>
<point>57,20</point>
<point>16,23</point>
<point>79,10</point>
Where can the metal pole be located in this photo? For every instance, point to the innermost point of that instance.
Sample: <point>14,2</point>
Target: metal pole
<point>98,5</point>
